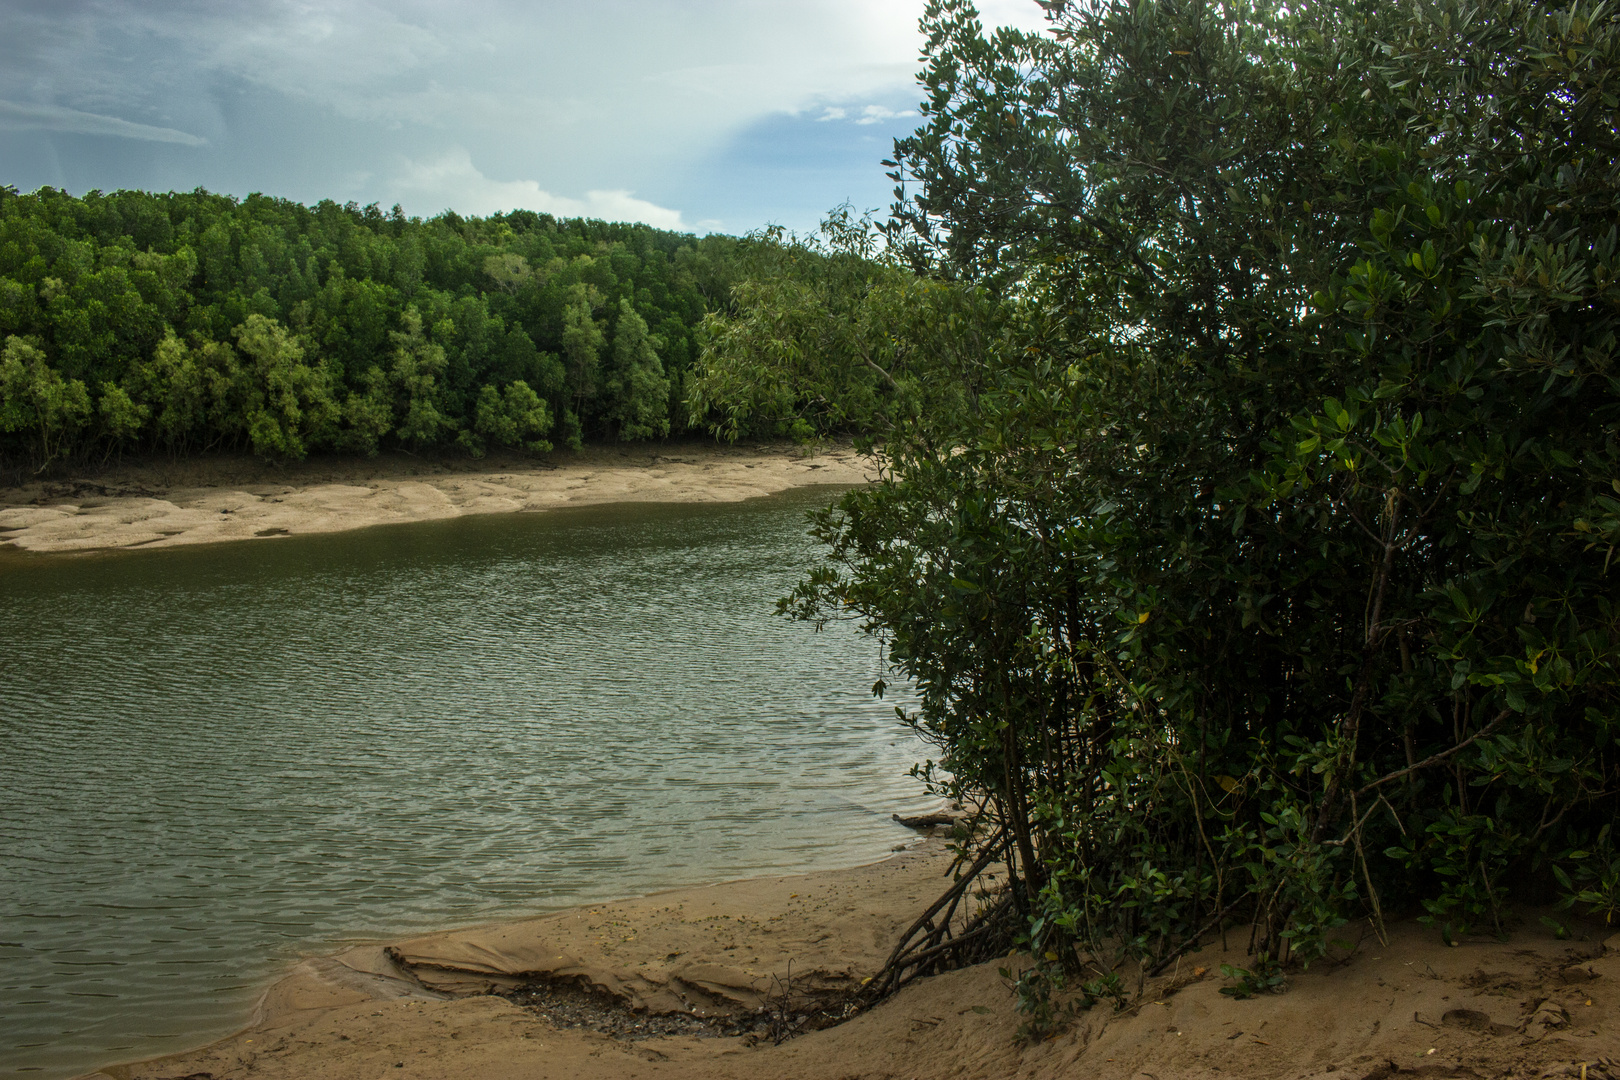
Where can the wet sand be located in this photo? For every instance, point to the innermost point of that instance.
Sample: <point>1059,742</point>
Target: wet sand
<point>206,500</point>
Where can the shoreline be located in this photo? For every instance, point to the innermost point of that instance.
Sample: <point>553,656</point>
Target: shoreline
<point>686,983</point>
<point>704,995</point>
<point>199,501</point>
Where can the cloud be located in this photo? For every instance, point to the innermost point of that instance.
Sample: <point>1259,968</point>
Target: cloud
<point>1019,14</point>
<point>20,116</point>
<point>330,99</point>
<point>874,114</point>
<point>460,185</point>
<point>613,84</point>
<point>870,114</point>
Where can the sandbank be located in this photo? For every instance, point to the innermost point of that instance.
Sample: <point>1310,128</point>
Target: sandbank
<point>452,1005</point>
<point>206,500</point>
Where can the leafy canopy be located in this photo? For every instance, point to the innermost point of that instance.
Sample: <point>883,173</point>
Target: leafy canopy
<point>184,322</point>
<point>1263,562</point>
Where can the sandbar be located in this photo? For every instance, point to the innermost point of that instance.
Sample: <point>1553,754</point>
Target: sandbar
<point>207,500</point>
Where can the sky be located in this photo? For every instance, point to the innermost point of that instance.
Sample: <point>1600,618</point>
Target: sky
<point>706,116</point>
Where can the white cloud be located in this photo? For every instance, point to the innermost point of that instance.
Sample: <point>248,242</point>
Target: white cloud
<point>873,114</point>
<point>18,115</point>
<point>1019,14</point>
<point>458,184</point>
<point>870,114</point>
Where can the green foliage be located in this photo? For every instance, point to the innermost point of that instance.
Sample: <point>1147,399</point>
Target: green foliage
<point>368,413</point>
<point>1050,995</point>
<point>1109,987</point>
<point>1268,979</point>
<point>582,340</point>
<point>1262,565</point>
<point>185,322</point>
<point>516,416</point>
<point>825,335</point>
<point>286,399</point>
<point>1049,998</point>
<point>418,366</point>
<point>35,401</point>
<point>1037,989</point>
<point>1592,878</point>
<point>120,416</point>
<point>636,389</point>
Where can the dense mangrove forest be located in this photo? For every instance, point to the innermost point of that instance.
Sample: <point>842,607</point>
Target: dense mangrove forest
<point>182,323</point>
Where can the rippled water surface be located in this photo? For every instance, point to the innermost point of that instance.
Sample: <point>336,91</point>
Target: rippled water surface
<point>215,759</point>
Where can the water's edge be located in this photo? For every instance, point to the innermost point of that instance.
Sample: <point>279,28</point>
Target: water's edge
<point>227,757</point>
<point>296,969</point>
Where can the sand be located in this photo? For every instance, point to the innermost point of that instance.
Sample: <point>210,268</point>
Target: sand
<point>198,501</point>
<point>1531,1006</point>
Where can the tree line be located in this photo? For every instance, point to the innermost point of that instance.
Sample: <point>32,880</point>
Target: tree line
<point>188,322</point>
<point>1245,380</point>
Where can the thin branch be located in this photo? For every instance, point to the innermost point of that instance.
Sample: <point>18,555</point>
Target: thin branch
<point>1442,756</point>
<point>1211,923</point>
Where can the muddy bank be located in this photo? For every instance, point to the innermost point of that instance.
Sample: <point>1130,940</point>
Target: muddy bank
<point>165,504</point>
<point>685,984</point>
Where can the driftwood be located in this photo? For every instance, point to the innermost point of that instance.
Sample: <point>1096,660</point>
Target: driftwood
<point>925,821</point>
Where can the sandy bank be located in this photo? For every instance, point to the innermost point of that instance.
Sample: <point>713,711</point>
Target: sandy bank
<point>207,500</point>
<point>1528,1007</point>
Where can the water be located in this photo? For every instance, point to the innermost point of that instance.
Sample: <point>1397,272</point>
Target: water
<point>216,759</point>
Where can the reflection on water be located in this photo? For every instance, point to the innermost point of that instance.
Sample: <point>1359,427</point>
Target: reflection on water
<point>214,759</point>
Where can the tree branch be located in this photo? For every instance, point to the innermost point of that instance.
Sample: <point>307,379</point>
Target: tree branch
<point>1442,756</point>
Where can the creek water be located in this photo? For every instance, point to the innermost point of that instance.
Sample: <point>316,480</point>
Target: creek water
<point>216,759</point>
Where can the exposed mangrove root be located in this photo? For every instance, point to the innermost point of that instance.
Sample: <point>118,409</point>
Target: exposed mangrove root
<point>963,926</point>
